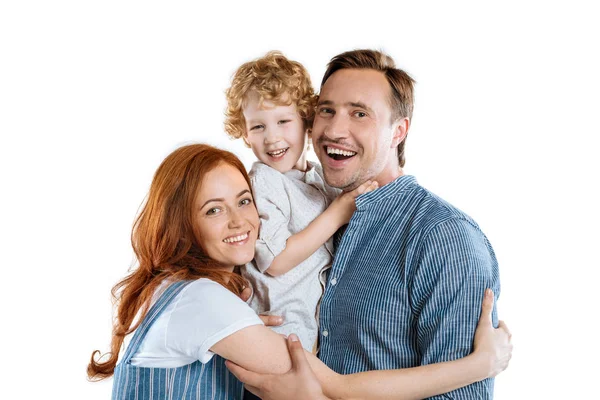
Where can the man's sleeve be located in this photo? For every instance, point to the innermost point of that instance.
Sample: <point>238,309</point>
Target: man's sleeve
<point>456,265</point>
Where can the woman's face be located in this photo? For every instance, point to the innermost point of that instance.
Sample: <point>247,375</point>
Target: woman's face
<point>226,220</point>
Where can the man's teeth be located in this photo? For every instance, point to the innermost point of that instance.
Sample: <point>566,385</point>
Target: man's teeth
<point>235,239</point>
<point>332,150</point>
<point>276,152</point>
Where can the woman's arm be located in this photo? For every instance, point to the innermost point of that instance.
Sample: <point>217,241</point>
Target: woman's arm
<point>259,349</point>
<point>492,351</point>
<point>303,244</point>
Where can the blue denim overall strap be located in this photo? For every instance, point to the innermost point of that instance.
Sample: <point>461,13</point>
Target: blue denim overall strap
<point>195,381</point>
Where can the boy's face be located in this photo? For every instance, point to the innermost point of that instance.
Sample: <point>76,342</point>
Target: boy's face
<point>275,133</point>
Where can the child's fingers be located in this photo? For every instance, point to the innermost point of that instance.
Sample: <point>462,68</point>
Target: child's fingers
<point>366,187</point>
<point>374,185</point>
<point>362,188</point>
<point>369,186</point>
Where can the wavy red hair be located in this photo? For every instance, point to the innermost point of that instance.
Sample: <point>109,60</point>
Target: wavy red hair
<point>165,245</point>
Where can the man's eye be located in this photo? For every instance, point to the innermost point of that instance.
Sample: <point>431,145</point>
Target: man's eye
<point>257,127</point>
<point>326,110</point>
<point>360,114</point>
<point>244,202</point>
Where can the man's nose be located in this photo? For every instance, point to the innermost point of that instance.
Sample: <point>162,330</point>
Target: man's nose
<point>337,127</point>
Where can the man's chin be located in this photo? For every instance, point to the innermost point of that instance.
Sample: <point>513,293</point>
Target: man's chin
<point>340,181</point>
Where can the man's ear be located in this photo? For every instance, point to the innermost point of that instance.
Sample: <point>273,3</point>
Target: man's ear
<point>400,128</point>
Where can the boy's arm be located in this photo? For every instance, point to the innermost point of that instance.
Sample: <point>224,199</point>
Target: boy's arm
<point>302,245</point>
<point>456,266</point>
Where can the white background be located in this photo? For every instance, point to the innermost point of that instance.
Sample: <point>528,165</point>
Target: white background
<point>93,95</point>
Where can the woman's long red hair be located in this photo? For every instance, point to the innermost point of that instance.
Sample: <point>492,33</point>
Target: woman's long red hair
<point>164,243</point>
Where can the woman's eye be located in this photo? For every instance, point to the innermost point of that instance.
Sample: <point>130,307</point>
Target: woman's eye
<point>212,211</point>
<point>285,121</point>
<point>244,202</point>
<point>257,127</point>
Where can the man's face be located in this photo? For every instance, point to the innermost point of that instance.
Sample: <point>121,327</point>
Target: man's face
<point>352,133</point>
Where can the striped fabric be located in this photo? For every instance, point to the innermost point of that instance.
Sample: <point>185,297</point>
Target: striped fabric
<point>194,381</point>
<point>406,285</point>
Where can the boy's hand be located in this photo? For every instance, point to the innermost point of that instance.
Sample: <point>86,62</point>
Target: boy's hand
<point>345,204</point>
<point>268,320</point>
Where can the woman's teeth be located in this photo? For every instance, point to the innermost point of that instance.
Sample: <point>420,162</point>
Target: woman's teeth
<point>235,239</point>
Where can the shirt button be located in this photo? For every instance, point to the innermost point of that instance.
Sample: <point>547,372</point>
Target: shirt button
<point>325,333</point>
<point>333,281</point>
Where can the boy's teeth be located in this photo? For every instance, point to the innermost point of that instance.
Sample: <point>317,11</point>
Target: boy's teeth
<point>332,150</point>
<point>236,238</point>
<point>277,152</point>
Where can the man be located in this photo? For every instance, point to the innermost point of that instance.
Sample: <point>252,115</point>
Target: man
<point>407,281</point>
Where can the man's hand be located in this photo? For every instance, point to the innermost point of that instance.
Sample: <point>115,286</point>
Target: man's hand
<point>268,320</point>
<point>299,382</point>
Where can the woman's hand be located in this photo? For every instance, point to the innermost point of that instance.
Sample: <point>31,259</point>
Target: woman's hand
<point>344,205</point>
<point>491,346</point>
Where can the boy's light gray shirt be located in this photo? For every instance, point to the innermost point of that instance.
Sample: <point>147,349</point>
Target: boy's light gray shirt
<point>286,204</point>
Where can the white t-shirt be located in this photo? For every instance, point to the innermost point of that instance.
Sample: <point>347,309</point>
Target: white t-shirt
<point>203,313</point>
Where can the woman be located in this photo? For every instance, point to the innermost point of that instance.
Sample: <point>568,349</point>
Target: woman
<point>198,224</point>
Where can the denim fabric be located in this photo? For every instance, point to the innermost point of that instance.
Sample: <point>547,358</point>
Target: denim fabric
<point>194,381</point>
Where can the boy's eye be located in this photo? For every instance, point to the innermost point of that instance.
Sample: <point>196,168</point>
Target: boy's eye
<point>257,127</point>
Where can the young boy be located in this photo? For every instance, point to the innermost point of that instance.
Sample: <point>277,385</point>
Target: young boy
<point>270,105</point>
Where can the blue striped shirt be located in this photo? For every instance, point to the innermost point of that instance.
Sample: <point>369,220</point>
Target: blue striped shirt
<point>406,285</point>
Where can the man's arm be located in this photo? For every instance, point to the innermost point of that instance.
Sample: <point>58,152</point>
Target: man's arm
<point>456,266</point>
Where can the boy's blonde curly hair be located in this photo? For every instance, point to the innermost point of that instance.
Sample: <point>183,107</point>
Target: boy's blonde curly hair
<point>273,78</point>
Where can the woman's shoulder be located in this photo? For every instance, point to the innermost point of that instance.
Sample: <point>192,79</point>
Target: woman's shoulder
<point>206,300</point>
<point>205,289</point>
<point>205,313</point>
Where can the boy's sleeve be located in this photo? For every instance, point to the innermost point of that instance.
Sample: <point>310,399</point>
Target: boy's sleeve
<point>273,207</point>
<point>457,264</point>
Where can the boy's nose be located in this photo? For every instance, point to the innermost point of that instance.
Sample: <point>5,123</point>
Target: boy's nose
<point>272,136</point>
